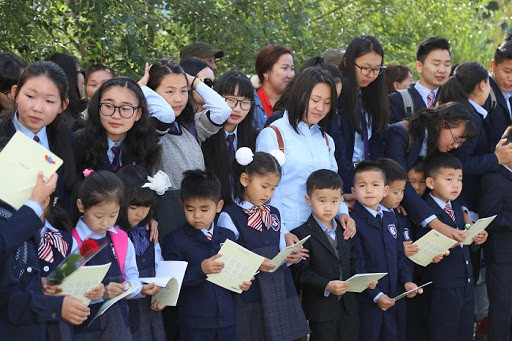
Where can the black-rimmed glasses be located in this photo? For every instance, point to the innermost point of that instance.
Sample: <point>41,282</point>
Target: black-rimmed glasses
<point>7,93</point>
<point>365,71</point>
<point>126,111</point>
<point>456,142</point>
<point>233,102</point>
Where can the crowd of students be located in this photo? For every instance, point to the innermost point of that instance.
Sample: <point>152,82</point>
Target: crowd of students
<point>191,158</point>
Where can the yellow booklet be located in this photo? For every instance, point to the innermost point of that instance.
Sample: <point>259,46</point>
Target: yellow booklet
<point>20,161</point>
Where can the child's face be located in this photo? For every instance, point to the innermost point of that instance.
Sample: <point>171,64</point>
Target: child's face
<point>136,214</point>
<point>369,188</point>
<point>116,125</point>
<point>38,103</point>
<point>417,180</point>
<point>447,184</point>
<point>200,212</point>
<point>238,113</point>
<point>174,89</point>
<point>101,217</point>
<point>259,188</point>
<point>95,80</point>
<point>325,204</point>
<point>395,194</point>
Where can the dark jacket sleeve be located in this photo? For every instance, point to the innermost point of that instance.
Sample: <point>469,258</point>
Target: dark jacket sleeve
<point>494,200</point>
<point>20,226</point>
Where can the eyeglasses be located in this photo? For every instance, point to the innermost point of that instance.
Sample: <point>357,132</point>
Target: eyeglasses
<point>233,102</point>
<point>7,93</point>
<point>365,71</point>
<point>126,111</point>
<point>208,81</point>
<point>456,142</point>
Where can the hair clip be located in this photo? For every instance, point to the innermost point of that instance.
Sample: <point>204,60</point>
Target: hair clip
<point>86,172</point>
<point>159,183</point>
<point>279,155</point>
<point>244,156</point>
<point>55,199</point>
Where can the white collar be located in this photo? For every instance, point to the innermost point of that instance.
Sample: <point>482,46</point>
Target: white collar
<point>478,108</point>
<point>84,232</point>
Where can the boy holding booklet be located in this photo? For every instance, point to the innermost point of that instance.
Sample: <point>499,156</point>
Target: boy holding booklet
<point>450,314</point>
<point>378,249</point>
<point>205,310</point>
<point>333,313</point>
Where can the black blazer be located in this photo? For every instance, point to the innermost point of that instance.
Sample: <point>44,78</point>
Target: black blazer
<point>396,103</point>
<point>315,272</point>
<point>496,191</point>
<point>498,117</point>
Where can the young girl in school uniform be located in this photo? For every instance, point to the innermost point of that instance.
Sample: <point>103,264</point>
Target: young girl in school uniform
<point>270,309</point>
<point>40,96</point>
<point>99,201</point>
<point>181,139</point>
<point>118,131</point>
<point>219,149</point>
<point>145,318</point>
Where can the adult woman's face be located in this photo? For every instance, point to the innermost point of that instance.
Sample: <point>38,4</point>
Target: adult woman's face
<point>281,73</point>
<point>367,68</point>
<point>451,138</point>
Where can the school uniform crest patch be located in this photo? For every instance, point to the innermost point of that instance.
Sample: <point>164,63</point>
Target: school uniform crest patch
<point>392,230</point>
<point>276,224</point>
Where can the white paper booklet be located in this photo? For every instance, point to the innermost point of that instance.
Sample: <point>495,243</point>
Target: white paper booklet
<point>240,265</point>
<point>82,280</point>
<point>104,307</point>
<point>359,282</point>
<point>280,259</point>
<point>478,226</point>
<point>431,245</point>
<point>169,276</point>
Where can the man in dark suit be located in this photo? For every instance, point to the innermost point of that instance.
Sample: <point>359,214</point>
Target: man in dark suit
<point>333,313</point>
<point>499,106</point>
<point>433,63</point>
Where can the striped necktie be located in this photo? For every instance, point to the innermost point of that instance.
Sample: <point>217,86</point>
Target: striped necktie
<point>36,138</point>
<point>116,164</point>
<point>259,216</point>
<point>209,235</point>
<point>50,238</point>
<point>450,212</point>
<point>230,139</point>
<point>431,97</point>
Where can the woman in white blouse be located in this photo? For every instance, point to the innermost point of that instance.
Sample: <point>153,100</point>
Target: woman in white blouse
<point>310,104</point>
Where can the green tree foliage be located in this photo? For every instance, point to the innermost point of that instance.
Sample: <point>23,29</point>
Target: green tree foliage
<point>126,33</point>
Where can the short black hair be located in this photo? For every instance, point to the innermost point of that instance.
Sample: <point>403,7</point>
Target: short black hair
<point>504,51</point>
<point>418,165</point>
<point>440,160</point>
<point>392,169</point>
<point>198,184</point>
<point>323,179</point>
<point>430,44</point>
<point>369,166</point>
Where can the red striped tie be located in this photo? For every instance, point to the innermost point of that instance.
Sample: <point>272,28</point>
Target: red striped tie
<point>431,96</point>
<point>259,216</point>
<point>450,212</point>
<point>50,238</point>
<point>209,235</point>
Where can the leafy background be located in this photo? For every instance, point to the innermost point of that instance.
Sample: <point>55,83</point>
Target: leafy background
<point>127,33</point>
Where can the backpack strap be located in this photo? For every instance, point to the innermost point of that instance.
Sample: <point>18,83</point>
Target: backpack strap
<point>326,140</point>
<point>279,137</point>
<point>408,103</point>
<point>494,101</point>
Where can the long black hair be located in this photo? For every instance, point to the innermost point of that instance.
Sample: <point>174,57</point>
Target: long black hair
<point>445,116</point>
<point>215,150</point>
<point>466,77</point>
<point>375,96</point>
<point>141,140</point>
<point>59,136</point>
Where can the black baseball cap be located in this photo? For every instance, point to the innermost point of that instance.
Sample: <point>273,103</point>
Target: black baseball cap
<point>200,49</point>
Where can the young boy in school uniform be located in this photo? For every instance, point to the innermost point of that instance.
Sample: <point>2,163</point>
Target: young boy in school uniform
<point>451,301</point>
<point>378,249</point>
<point>205,310</point>
<point>496,199</point>
<point>332,312</point>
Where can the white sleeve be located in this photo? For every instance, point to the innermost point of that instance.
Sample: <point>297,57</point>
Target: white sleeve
<point>226,222</point>
<point>215,103</point>
<point>158,255</point>
<point>158,106</point>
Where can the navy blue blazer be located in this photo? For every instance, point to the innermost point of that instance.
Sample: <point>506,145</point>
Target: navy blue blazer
<point>24,308</point>
<point>201,304</point>
<point>477,159</point>
<point>455,270</point>
<point>343,135</point>
<point>396,103</point>
<point>498,117</point>
<point>496,191</point>
<point>397,148</point>
<point>314,273</point>
<point>378,249</point>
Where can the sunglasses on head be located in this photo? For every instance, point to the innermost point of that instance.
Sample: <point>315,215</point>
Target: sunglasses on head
<point>209,82</point>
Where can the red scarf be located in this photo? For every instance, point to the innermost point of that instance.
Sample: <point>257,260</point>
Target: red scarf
<point>265,101</point>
